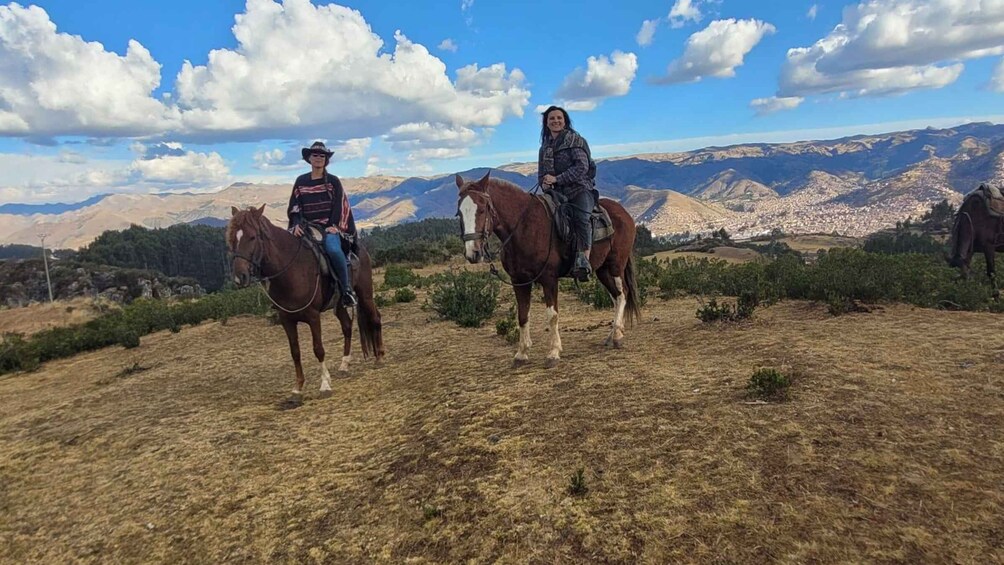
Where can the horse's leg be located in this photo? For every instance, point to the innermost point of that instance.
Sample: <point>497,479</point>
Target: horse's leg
<point>989,253</point>
<point>551,300</point>
<point>294,351</point>
<point>523,316</point>
<point>315,334</point>
<point>345,318</point>
<point>615,286</point>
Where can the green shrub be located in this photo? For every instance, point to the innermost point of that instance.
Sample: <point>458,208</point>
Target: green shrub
<point>404,295</point>
<point>468,298</point>
<point>15,354</point>
<point>398,276</point>
<point>508,327</point>
<point>768,383</point>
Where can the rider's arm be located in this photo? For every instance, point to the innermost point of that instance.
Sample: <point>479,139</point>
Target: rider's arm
<point>293,210</point>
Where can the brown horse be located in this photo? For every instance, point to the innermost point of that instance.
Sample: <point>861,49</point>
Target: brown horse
<point>532,254</point>
<point>975,230</point>
<point>292,278</point>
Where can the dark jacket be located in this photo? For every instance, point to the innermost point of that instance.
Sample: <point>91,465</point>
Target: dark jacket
<point>568,158</point>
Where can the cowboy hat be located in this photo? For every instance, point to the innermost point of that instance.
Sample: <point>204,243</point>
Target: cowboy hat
<point>316,147</point>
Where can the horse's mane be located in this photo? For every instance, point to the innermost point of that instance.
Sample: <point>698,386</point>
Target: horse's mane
<point>494,182</point>
<point>246,219</point>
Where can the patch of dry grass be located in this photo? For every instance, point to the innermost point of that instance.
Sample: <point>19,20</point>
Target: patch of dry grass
<point>32,319</point>
<point>888,450</point>
<point>729,254</point>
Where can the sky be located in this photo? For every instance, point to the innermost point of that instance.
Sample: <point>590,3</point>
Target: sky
<point>108,96</point>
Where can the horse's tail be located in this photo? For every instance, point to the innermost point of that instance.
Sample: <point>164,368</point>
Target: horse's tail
<point>370,328</point>
<point>368,317</point>
<point>633,310</point>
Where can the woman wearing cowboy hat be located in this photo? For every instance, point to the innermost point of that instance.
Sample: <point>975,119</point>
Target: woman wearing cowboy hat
<point>318,198</point>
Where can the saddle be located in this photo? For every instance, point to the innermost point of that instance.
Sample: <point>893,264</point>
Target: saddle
<point>561,211</point>
<point>993,198</point>
<point>315,240</point>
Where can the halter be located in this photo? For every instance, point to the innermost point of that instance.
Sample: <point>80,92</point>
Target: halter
<point>485,232</point>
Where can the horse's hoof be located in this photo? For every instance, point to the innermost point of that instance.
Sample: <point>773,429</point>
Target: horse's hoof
<point>608,342</point>
<point>551,363</point>
<point>618,344</point>
<point>293,402</point>
<point>343,373</point>
<point>517,363</point>
<point>324,394</point>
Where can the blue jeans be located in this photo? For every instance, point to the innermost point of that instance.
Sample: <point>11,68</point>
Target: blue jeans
<point>333,247</point>
<point>582,207</point>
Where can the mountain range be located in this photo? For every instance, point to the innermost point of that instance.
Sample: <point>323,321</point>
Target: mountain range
<point>853,185</point>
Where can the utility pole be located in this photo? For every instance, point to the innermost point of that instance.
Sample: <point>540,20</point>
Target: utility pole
<point>45,261</point>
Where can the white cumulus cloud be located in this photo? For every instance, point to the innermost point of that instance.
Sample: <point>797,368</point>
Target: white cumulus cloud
<point>604,77</point>
<point>716,50</point>
<point>268,86</point>
<point>764,106</point>
<point>647,32</point>
<point>813,12</point>
<point>684,11</point>
<point>997,80</point>
<point>894,46</point>
<point>447,45</point>
<point>54,83</point>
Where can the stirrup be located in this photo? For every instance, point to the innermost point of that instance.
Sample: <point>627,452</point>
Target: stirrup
<point>349,300</point>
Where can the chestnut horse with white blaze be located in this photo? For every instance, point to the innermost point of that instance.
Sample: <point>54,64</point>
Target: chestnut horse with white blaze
<point>532,254</point>
<point>293,281</point>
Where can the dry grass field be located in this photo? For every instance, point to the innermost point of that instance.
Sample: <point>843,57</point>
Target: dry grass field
<point>37,317</point>
<point>728,254</point>
<point>889,449</point>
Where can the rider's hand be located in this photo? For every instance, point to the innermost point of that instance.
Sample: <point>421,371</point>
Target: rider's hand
<point>332,229</point>
<point>550,179</point>
<point>297,231</point>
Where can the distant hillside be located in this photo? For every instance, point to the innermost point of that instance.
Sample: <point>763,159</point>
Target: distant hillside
<point>29,209</point>
<point>854,185</point>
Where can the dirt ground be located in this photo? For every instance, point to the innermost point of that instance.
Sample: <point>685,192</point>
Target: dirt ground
<point>889,450</point>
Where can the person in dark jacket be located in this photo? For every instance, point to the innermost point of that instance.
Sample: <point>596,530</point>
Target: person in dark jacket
<point>565,164</point>
<point>318,198</point>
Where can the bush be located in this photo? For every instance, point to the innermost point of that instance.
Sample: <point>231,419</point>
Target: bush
<point>381,300</point>
<point>125,327</point>
<point>398,276</point>
<point>768,383</point>
<point>724,312</point>
<point>404,295</point>
<point>508,327</point>
<point>14,354</point>
<point>467,298</point>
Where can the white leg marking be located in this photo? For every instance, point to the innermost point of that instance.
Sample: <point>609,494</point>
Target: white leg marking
<point>524,342</point>
<point>620,304</point>
<point>344,367</point>
<point>552,322</point>
<point>468,214</point>
<point>325,377</point>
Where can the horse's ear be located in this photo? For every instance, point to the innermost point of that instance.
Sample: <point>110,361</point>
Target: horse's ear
<point>234,210</point>
<point>260,211</point>
<point>460,181</point>
<point>484,179</point>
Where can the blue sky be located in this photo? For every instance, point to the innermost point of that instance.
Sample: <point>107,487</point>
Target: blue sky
<point>97,96</point>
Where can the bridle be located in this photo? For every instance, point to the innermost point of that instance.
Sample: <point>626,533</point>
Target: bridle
<point>257,273</point>
<point>488,228</point>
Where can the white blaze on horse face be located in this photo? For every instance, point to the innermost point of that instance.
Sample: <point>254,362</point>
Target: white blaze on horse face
<point>468,215</point>
<point>239,234</point>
